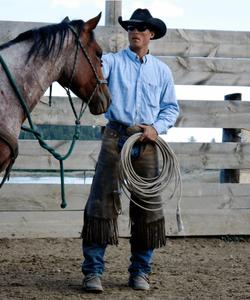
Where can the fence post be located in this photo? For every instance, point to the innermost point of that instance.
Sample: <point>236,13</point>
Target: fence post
<point>231,135</point>
<point>113,11</point>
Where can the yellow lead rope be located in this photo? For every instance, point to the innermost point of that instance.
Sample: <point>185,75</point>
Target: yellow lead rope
<point>151,187</point>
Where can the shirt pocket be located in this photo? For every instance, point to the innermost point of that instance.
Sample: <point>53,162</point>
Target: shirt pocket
<point>151,96</point>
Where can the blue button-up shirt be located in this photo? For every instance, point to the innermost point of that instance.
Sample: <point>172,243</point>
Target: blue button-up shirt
<point>142,91</point>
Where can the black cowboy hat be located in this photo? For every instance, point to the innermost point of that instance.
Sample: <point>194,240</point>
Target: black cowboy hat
<point>143,16</point>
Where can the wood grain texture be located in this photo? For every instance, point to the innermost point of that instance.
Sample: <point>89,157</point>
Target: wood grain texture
<point>85,154</point>
<point>193,113</point>
<point>197,57</point>
<point>209,209</point>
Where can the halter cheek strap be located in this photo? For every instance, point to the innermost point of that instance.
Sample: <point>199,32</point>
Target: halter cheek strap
<point>79,44</point>
<point>98,80</point>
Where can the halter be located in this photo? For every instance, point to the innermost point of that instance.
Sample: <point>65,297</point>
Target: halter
<point>32,128</point>
<point>98,80</point>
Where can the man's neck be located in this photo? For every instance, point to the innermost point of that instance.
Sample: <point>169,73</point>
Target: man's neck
<point>140,51</point>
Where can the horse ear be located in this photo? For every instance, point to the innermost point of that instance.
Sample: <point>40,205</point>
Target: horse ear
<point>66,20</point>
<point>92,23</point>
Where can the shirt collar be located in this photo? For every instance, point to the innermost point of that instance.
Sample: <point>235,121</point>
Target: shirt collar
<point>133,56</point>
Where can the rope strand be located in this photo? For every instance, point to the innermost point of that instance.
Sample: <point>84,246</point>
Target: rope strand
<point>151,187</point>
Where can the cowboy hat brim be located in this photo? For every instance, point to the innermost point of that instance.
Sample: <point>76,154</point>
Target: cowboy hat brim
<point>155,24</point>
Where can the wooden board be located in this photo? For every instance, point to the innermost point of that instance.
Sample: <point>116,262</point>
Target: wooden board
<point>209,71</point>
<point>213,114</point>
<point>32,156</point>
<point>203,43</point>
<point>193,113</point>
<point>195,197</point>
<point>195,57</point>
<point>85,155</point>
<point>69,224</point>
<point>177,42</point>
<point>60,107</point>
<point>210,209</point>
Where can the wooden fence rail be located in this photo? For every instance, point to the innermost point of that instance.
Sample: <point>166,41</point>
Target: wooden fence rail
<point>204,57</point>
<point>204,156</point>
<point>193,113</point>
<point>177,42</point>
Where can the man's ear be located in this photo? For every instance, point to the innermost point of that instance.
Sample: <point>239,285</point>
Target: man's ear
<point>152,34</point>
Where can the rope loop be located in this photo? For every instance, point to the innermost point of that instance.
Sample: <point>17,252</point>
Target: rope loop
<point>146,188</point>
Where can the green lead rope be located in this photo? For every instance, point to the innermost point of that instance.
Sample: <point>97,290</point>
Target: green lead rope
<point>37,134</point>
<point>57,155</point>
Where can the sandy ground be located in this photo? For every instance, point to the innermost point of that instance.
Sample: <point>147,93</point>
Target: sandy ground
<point>187,268</point>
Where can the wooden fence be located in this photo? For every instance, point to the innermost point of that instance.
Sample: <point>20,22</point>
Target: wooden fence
<point>196,57</point>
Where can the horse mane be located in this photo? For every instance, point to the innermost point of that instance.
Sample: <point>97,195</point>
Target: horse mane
<point>44,38</point>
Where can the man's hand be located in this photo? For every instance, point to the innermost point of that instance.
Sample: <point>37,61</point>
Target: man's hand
<point>149,133</point>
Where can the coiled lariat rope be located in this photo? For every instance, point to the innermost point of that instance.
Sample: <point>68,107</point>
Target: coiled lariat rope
<point>151,187</point>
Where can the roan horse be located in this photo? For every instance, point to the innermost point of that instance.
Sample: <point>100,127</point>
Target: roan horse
<point>67,53</point>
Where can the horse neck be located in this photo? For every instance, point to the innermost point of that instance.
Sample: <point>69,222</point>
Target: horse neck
<point>34,77</point>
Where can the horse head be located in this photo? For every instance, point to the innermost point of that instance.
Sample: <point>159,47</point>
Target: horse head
<point>83,74</point>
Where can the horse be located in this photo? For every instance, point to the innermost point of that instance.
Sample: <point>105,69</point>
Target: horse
<point>66,52</point>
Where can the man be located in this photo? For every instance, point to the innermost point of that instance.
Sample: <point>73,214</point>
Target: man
<point>143,97</point>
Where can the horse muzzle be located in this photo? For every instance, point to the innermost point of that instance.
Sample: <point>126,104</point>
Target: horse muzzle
<point>101,101</point>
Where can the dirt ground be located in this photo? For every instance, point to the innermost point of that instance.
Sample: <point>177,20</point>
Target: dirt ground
<point>187,268</point>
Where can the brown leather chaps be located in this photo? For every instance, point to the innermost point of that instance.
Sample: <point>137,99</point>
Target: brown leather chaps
<point>104,204</point>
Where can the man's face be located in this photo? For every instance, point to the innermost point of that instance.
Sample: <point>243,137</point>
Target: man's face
<point>139,36</point>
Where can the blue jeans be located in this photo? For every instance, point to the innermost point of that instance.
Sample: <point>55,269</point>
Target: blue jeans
<point>94,260</point>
